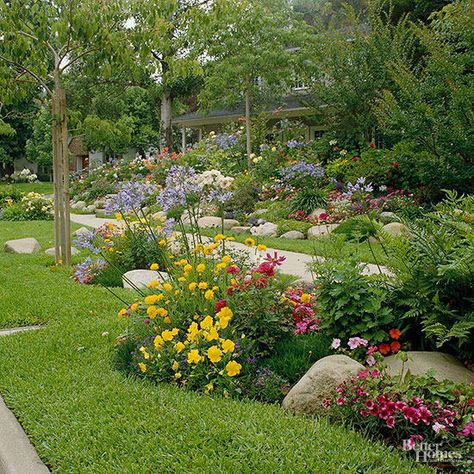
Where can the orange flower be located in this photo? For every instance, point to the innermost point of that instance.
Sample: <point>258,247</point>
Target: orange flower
<point>395,346</point>
<point>384,348</point>
<point>394,333</point>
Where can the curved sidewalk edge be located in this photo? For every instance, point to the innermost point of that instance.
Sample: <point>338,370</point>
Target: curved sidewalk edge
<point>17,454</point>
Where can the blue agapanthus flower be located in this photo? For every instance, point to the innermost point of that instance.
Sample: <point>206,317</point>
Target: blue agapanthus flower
<point>301,169</point>
<point>131,197</point>
<point>180,186</point>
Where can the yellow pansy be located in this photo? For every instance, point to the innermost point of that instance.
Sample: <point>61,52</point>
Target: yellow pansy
<point>152,299</point>
<point>167,335</point>
<point>122,313</point>
<point>179,347</point>
<point>203,285</point>
<point>153,284</point>
<point>194,357</point>
<point>213,334</point>
<point>162,312</point>
<point>167,287</point>
<point>118,216</point>
<point>233,368</point>
<point>192,286</point>
<point>142,367</point>
<point>158,342</point>
<point>177,292</point>
<point>207,323</point>
<point>154,266</point>
<point>261,248</point>
<point>182,279</point>
<point>220,266</point>
<point>188,268</point>
<point>177,375</point>
<point>152,311</point>
<point>214,354</point>
<point>162,242</point>
<point>134,307</point>
<point>226,259</point>
<point>228,346</point>
<point>144,353</point>
<point>219,237</point>
<point>175,366</point>
<point>230,239</point>
<point>175,331</point>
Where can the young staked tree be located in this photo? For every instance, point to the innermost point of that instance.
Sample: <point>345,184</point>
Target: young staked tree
<point>169,36</point>
<point>39,42</point>
<point>253,55</point>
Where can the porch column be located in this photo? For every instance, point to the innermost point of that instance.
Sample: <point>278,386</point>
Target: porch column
<point>183,139</point>
<point>200,134</point>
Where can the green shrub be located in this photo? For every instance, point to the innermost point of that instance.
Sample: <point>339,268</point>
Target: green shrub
<point>308,200</point>
<point>285,225</point>
<point>351,304</point>
<point>357,229</point>
<point>245,194</point>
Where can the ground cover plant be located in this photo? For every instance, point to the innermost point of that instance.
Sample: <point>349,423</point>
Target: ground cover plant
<point>60,380</point>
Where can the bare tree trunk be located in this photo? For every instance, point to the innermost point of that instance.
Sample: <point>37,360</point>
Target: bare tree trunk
<point>62,225</point>
<point>248,127</point>
<point>166,133</point>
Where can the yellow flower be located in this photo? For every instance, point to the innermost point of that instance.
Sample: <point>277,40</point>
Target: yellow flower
<point>162,242</point>
<point>118,216</point>
<point>220,266</point>
<point>167,287</point>
<point>228,346</point>
<point>177,375</point>
<point>167,335</point>
<point>219,237</point>
<point>181,279</point>
<point>200,268</point>
<point>207,323</point>
<point>202,285</point>
<point>122,313</point>
<point>214,354</point>
<point>153,284</point>
<point>175,366</point>
<point>144,353</point>
<point>152,311</point>
<point>224,315</point>
<point>154,266</point>
<point>192,286</point>
<point>261,248</point>
<point>159,343</point>
<point>213,335</point>
<point>274,148</point>
<point>152,299</point>
<point>175,331</point>
<point>167,320</point>
<point>209,295</point>
<point>249,242</point>
<point>230,239</point>
<point>226,259</point>
<point>177,292</point>
<point>179,347</point>
<point>134,307</point>
<point>194,357</point>
<point>305,298</point>
<point>162,312</point>
<point>187,268</point>
<point>142,367</point>
<point>209,388</point>
<point>233,368</point>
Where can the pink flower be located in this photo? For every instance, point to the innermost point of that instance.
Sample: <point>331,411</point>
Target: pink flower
<point>326,403</point>
<point>336,343</point>
<point>323,216</point>
<point>390,422</point>
<point>363,374</point>
<point>341,400</point>
<point>437,427</point>
<point>371,360</point>
<point>375,374</point>
<point>276,260</point>
<point>364,413</point>
<point>355,342</point>
<point>371,350</point>
<point>468,429</point>
<point>410,443</point>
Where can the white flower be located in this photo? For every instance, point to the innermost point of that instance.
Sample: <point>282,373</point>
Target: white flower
<point>333,142</point>
<point>336,343</point>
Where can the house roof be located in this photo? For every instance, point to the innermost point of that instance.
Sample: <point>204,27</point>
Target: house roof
<point>290,106</point>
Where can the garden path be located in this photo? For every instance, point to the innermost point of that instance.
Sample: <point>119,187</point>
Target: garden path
<point>295,263</point>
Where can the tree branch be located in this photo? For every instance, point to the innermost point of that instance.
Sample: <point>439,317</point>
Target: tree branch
<point>79,56</point>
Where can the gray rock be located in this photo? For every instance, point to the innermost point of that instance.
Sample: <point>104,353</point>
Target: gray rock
<point>240,230</point>
<point>212,222</point>
<point>259,212</point>
<point>444,365</point>
<point>265,230</point>
<point>261,221</point>
<point>99,204</point>
<point>80,205</point>
<point>81,230</point>
<point>319,230</point>
<point>386,217</point>
<point>292,235</point>
<point>51,251</point>
<point>141,278</point>
<point>90,209</point>
<point>319,383</point>
<point>28,245</point>
<point>396,229</point>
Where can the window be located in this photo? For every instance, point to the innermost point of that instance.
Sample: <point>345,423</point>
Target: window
<point>317,134</point>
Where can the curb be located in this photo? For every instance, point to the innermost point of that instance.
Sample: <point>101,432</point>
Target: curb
<point>17,454</point>
<point>8,332</point>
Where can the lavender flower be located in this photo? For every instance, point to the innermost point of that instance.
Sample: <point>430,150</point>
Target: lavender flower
<point>131,197</point>
<point>301,169</point>
<point>85,240</point>
<point>220,195</point>
<point>225,141</point>
<point>85,271</point>
<point>292,143</point>
<point>359,186</point>
<point>168,226</point>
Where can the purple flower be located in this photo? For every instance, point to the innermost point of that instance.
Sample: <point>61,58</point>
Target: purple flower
<point>220,195</point>
<point>181,185</point>
<point>468,429</point>
<point>225,141</point>
<point>131,197</point>
<point>300,170</point>
<point>359,186</point>
<point>168,227</point>
<point>85,271</point>
<point>293,143</point>
<point>85,240</point>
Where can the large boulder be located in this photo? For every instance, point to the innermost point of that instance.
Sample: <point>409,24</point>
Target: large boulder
<point>240,230</point>
<point>319,230</point>
<point>212,222</point>
<point>51,251</point>
<point>292,235</point>
<point>386,217</point>
<point>316,213</point>
<point>90,209</point>
<point>265,230</point>
<point>396,229</point>
<point>319,383</point>
<point>79,205</point>
<point>81,230</point>
<point>445,366</point>
<point>28,245</point>
<point>141,278</point>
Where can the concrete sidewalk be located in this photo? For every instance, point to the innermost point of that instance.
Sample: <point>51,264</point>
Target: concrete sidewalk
<point>296,264</point>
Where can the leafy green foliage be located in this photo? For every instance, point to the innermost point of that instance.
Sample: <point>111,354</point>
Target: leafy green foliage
<point>351,304</point>
<point>308,200</point>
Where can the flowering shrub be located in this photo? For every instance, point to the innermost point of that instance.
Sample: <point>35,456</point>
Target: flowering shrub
<point>304,309</point>
<point>31,206</point>
<point>301,174</point>
<point>23,176</point>
<point>407,411</point>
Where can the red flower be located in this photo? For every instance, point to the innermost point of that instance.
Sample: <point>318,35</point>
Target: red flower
<point>384,348</point>
<point>395,165</point>
<point>323,216</point>
<point>372,145</point>
<point>394,333</point>
<point>395,346</point>
<point>220,304</point>
<point>355,158</point>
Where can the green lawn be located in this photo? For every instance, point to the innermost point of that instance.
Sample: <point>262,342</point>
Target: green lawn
<point>322,246</point>
<point>42,188</point>
<point>85,417</point>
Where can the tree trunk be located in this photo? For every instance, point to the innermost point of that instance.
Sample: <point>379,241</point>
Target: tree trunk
<point>62,224</point>
<point>248,128</point>
<point>166,133</point>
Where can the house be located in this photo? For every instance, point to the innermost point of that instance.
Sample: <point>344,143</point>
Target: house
<point>292,107</point>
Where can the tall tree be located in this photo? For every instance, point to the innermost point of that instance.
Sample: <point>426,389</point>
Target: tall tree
<point>169,36</point>
<point>254,55</point>
<point>39,42</point>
